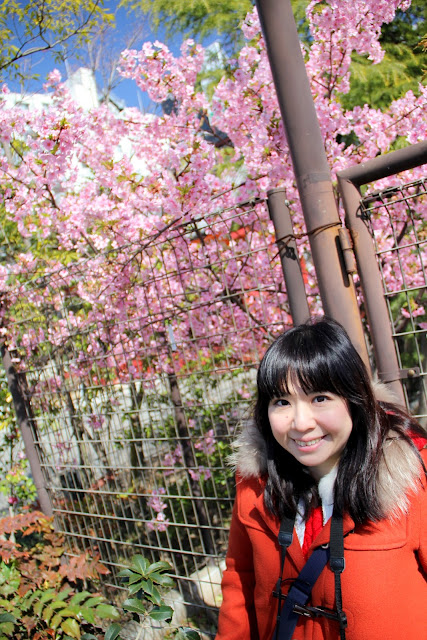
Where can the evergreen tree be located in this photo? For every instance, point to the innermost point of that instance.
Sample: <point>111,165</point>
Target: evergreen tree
<point>403,67</point>
<point>198,19</point>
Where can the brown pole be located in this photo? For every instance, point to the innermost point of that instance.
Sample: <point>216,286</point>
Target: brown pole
<point>349,182</point>
<point>373,293</point>
<point>291,267</point>
<point>311,168</point>
<point>386,165</point>
<point>21,413</point>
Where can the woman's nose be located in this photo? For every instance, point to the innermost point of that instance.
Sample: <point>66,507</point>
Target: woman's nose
<point>303,418</point>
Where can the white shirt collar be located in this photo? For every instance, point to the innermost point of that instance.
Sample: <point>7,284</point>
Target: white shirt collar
<point>326,492</point>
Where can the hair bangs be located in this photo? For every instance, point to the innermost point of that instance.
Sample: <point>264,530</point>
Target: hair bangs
<point>305,361</point>
<point>312,376</point>
<point>272,376</point>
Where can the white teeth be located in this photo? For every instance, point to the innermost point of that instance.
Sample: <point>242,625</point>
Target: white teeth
<point>309,443</point>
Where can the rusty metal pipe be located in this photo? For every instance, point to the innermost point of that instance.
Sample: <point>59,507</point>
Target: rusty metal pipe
<point>373,294</point>
<point>21,413</point>
<point>349,182</point>
<point>387,165</point>
<point>291,267</point>
<point>311,168</point>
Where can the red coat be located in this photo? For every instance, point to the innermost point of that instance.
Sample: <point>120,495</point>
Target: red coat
<point>384,584</point>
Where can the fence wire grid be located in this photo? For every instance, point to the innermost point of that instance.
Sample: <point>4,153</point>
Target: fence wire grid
<point>139,368</point>
<point>397,221</point>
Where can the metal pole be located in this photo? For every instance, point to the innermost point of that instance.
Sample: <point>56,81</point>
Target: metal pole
<point>291,267</point>
<point>386,165</point>
<point>373,294</point>
<point>21,413</point>
<point>311,168</point>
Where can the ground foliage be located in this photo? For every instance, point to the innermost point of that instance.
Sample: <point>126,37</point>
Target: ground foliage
<point>146,584</point>
<point>46,592</point>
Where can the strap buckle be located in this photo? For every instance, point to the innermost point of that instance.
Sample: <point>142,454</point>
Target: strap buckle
<point>337,564</point>
<point>314,612</point>
<point>317,612</point>
<point>285,538</point>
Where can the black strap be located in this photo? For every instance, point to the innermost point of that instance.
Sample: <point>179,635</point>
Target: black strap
<point>337,564</point>
<point>285,540</point>
<point>299,593</point>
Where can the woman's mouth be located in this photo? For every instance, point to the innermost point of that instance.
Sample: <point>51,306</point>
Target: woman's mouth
<point>308,443</point>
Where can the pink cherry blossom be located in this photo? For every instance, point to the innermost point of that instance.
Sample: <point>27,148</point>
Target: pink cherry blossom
<point>156,262</point>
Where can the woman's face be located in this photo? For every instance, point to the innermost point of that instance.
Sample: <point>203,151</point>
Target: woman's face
<point>313,428</point>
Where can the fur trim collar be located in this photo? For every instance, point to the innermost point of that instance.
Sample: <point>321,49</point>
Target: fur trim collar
<point>399,470</point>
<point>399,474</point>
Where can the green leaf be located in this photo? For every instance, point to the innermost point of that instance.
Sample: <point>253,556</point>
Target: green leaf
<point>63,595</point>
<point>164,581</point>
<point>7,627</point>
<point>164,613</point>
<point>107,611</point>
<point>10,588</point>
<point>88,636</point>
<point>134,577</point>
<point>48,595</point>
<point>78,597</point>
<point>59,617</point>
<point>159,566</point>
<point>113,632</point>
<point>125,573</point>
<point>137,586</point>
<point>49,610</point>
<point>30,597</point>
<point>149,586</point>
<point>155,595</point>
<point>139,564</point>
<point>7,617</point>
<point>88,614</point>
<point>134,606</point>
<point>71,627</point>
<point>93,602</point>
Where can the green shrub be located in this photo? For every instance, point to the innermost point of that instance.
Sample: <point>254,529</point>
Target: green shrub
<point>145,583</point>
<point>41,594</point>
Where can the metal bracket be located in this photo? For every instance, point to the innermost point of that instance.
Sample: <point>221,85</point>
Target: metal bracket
<point>400,374</point>
<point>347,250</point>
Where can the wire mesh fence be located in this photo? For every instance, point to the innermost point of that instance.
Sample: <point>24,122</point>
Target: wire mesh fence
<point>139,367</point>
<point>397,220</point>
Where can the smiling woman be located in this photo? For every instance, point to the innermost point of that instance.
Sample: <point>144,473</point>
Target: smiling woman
<point>313,427</point>
<point>331,480</point>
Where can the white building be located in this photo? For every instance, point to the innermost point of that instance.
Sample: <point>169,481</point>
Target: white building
<point>81,85</point>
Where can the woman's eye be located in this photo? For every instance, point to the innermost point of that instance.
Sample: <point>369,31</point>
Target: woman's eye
<point>320,398</point>
<point>280,402</point>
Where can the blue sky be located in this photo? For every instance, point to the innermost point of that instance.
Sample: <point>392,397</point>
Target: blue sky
<point>127,91</point>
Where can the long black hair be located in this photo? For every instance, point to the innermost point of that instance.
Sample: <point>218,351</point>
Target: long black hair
<point>319,357</point>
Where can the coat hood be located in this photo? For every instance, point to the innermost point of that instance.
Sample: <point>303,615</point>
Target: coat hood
<point>399,470</point>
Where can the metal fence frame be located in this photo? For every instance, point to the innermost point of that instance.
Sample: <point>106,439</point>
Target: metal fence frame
<point>311,167</point>
<point>350,182</point>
